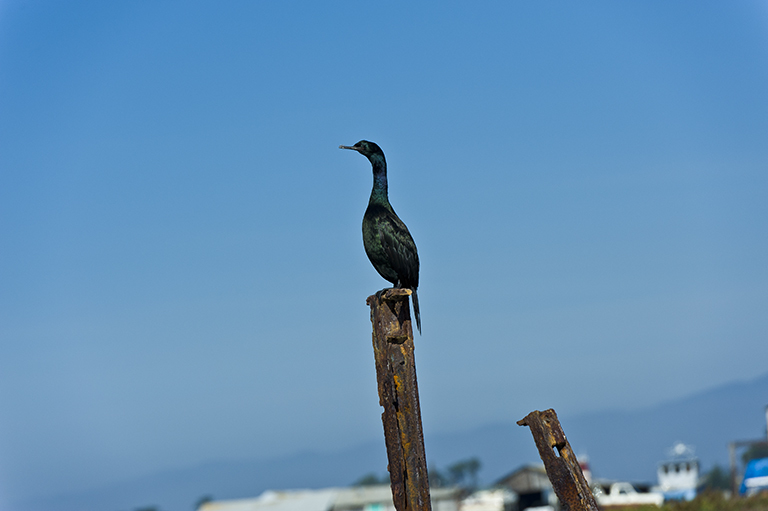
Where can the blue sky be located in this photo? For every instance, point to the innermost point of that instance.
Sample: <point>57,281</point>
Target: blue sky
<point>182,272</point>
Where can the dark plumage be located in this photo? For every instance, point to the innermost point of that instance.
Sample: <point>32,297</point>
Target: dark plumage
<point>386,239</point>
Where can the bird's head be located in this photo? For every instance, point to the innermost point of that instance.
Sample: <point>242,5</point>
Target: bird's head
<point>365,148</point>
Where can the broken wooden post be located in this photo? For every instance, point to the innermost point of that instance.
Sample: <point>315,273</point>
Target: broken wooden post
<point>399,395</point>
<point>561,464</point>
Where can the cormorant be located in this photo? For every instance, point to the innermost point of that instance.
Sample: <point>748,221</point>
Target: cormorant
<point>386,239</point>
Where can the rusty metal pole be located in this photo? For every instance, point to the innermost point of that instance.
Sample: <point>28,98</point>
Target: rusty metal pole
<point>561,464</point>
<point>399,395</point>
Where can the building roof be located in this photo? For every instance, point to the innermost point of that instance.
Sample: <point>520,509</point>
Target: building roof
<point>336,499</point>
<point>526,479</point>
<point>296,500</point>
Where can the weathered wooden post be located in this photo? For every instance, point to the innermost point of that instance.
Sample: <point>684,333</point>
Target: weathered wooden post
<point>399,395</point>
<point>561,464</point>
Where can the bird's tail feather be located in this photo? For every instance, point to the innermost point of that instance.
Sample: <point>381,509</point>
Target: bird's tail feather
<point>416,309</point>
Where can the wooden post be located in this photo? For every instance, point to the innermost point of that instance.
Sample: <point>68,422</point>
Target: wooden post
<point>561,464</point>
<point>399,395</point>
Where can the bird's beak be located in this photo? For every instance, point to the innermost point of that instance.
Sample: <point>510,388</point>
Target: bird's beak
<point>348,147</point>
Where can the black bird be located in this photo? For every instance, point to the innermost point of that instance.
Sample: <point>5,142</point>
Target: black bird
<point>386,239</point>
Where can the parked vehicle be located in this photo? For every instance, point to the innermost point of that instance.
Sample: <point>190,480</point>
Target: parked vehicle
<point>624,494</point>
<point>755,477</point>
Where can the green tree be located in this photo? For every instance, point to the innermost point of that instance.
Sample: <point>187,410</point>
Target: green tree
<point>755,452</point>
<point>371,480</point>
<point>203,500</point>
<point>436,478</point>
<point>717,479</point>
<point>465,470</point>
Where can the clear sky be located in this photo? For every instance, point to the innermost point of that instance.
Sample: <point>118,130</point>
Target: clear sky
<point>182,275</point>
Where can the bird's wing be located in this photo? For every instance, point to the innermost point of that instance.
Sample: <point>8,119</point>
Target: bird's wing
<point>399,248</point>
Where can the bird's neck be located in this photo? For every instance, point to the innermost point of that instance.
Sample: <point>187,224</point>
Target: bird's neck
<point>379,192</point>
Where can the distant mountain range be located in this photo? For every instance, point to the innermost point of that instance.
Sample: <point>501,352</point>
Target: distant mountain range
<point>620,444</point>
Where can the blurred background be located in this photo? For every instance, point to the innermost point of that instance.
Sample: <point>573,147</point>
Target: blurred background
<point>182,278</point>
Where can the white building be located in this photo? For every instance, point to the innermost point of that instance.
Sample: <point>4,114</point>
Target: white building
<point>361,498</point>
<point>679,475</point>
<point>499,499</point>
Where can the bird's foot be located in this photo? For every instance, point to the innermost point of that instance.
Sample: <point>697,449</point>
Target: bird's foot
<point>389,293</point>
